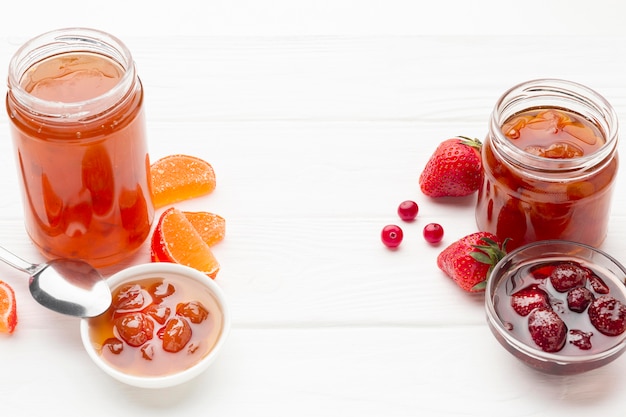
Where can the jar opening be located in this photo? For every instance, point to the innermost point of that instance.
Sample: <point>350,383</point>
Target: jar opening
<point>589,110</point>
<point>43,70</point>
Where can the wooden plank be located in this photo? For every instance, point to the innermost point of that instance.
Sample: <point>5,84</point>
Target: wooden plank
<point>315,140</point>
<point>335,371</point>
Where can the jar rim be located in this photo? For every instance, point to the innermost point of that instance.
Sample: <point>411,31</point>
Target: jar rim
<point>63,41</point>
<point>559,94</point>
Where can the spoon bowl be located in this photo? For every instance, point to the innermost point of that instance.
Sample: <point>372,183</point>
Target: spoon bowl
<point>67,286</point>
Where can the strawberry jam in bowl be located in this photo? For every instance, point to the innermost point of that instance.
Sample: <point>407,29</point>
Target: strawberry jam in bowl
<point>558,306</point>
<point>550,163</point>
<point>166,325</point>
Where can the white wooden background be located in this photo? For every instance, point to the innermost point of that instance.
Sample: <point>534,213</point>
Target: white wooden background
<point>318,117</point>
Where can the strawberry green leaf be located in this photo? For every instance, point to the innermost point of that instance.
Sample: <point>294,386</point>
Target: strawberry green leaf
<point>480,286</point>
<point>473,142</point>
<point>481,257</point>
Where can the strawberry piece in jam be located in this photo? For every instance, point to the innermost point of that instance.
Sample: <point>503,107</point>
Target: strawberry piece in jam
<point>114,345</point>
<point>130,297</point>
<point>556,151</point>
<point>598,285</point>
<point>547,329</point>
<point>608,315</point>
<point>160,290</point>
<point>159,313</point>
<point>176,334</point>
<point>147,351</point>
<point>193,310</point>
<point>135,328</point>
<point>580,339</point>
<point>529,298</point>
<point>568,275</point>
<point>579,298</point>
<point>542,271</point>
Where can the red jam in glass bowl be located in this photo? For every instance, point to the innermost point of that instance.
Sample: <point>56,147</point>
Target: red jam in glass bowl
<point>558,306</point>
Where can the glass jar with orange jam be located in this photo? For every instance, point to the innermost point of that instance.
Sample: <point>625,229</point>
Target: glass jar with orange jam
<point>75,104</point>
<point>550,162</point>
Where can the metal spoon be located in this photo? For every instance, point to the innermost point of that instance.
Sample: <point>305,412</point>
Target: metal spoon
<point>67,286</point>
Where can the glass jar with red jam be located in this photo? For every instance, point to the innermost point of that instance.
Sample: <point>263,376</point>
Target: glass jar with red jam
<point>550,162</point>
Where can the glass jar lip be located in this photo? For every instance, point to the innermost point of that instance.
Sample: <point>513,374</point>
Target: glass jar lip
<point>70,40</point>
<point>554,93</point>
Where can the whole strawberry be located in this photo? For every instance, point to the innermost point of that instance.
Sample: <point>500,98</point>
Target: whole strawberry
<point>454,170</point>
<point>469,260</point>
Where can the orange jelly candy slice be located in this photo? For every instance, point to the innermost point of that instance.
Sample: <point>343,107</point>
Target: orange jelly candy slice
<point>175,239</point>
<point>180,177</point>
<point>8,310</point>
<point>210,226</point>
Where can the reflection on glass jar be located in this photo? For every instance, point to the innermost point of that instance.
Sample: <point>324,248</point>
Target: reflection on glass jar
<point>550,162</point>
<point>75,104</point>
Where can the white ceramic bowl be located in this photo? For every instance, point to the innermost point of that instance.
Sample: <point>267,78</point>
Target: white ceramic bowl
<point>181,274</point>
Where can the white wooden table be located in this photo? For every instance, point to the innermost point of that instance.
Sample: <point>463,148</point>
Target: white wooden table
<point>318,118</point>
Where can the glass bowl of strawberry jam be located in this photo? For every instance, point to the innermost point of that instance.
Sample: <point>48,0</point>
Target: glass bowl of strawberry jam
<point>558,306</point>
<point>550,163</point>
<point>166,325</point>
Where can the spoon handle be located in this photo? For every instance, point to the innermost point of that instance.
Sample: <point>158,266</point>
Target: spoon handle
<point>15,261</point>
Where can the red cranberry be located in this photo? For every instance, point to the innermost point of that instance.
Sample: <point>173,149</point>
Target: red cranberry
<point>407,210</point>
<point>433,233</point>
<point>391,236</point>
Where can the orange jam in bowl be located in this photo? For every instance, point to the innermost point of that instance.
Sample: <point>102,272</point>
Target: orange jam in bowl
<point>166,324</point>
<point>550,162</point>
